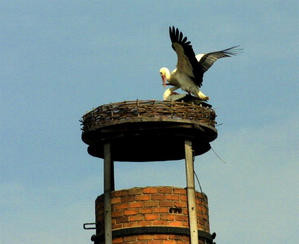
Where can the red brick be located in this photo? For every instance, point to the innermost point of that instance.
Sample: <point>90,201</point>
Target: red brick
<point>167,217</point>
<point>118,240</point>
<point>165,190</point>
<point>151,204</point>
<point>176,223</point>
<point>183,197</point>
<point>131,224</point>
<point>135,191</point>
<point>142,197</point>
<point>130,238</point>
<point>119,193</point>
<point>136,204</point>
<point>158,197</point>
<point>130,212</point>
<point>179,191</point>
<point>120,206</point>
<point>145,210</point>
<point>137,217</point>
<point>122,219</point>
<point>145,237</point>
<point>181,217</point>
<point>161,210</point>
<point>151,216</point>
<point>117,226</point>
<point>150,190</point>
<point>115,200</point>
<point>161,223</point>
<point>171,197</point>
<point>180,204</point>
<point>116,214</point>
<point>169,242</point>
<point>167,204</point>
<point>144,223</point>
<point>155,242</point>
<point>137,223</point>
<point>128,198</point>
<point>160,237</point>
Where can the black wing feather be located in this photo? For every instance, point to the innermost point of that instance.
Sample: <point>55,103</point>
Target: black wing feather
<point>209,59</point>
<point>177,37</point>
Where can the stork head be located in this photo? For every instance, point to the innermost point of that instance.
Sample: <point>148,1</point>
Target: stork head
<point>165,75</point>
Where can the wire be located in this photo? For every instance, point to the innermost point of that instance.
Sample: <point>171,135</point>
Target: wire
<point>198,181</point>
<point>223,161</point>
<point>193,158</point>
<point>202,194</point>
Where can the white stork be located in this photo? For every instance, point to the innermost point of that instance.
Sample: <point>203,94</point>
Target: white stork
<point>190,68</point>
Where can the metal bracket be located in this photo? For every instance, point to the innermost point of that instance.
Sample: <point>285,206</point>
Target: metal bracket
<point>175,209</point>
<point>89,226</point>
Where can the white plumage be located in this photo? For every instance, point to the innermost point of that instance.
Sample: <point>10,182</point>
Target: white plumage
<point>190,68</point>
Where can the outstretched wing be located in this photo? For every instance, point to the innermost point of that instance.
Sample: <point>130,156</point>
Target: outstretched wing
<point>208,59</point>
<point>187,62</point>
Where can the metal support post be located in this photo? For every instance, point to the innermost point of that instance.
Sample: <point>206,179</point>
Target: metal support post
<point>108,186</point>
<point>191,192</point>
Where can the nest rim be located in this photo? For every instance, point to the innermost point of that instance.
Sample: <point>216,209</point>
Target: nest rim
<point>148,131</point>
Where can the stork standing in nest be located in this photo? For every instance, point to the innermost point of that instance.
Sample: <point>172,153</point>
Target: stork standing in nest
<point>190,68</point>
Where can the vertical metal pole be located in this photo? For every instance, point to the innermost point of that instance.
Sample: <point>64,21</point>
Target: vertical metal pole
<point>107,191</point>
<point>191,192</point>
<point>112,175</point>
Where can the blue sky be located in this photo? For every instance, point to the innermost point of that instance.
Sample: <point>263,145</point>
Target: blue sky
<point>59,59</point>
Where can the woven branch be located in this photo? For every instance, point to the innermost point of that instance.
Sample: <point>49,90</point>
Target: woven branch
<point>145,109</point>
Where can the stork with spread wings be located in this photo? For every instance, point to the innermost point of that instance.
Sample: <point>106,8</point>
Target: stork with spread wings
<point>190,68</point>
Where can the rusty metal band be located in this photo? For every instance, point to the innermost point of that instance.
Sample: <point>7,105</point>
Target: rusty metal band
<point>155,230</point>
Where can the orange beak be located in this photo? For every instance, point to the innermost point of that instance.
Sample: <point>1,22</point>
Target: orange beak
<point>163,80</point>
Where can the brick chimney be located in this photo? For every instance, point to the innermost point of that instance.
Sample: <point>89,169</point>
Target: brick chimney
<point>152,215</point>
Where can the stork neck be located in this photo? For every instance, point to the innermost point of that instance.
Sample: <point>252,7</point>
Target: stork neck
<point>167,74</point>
